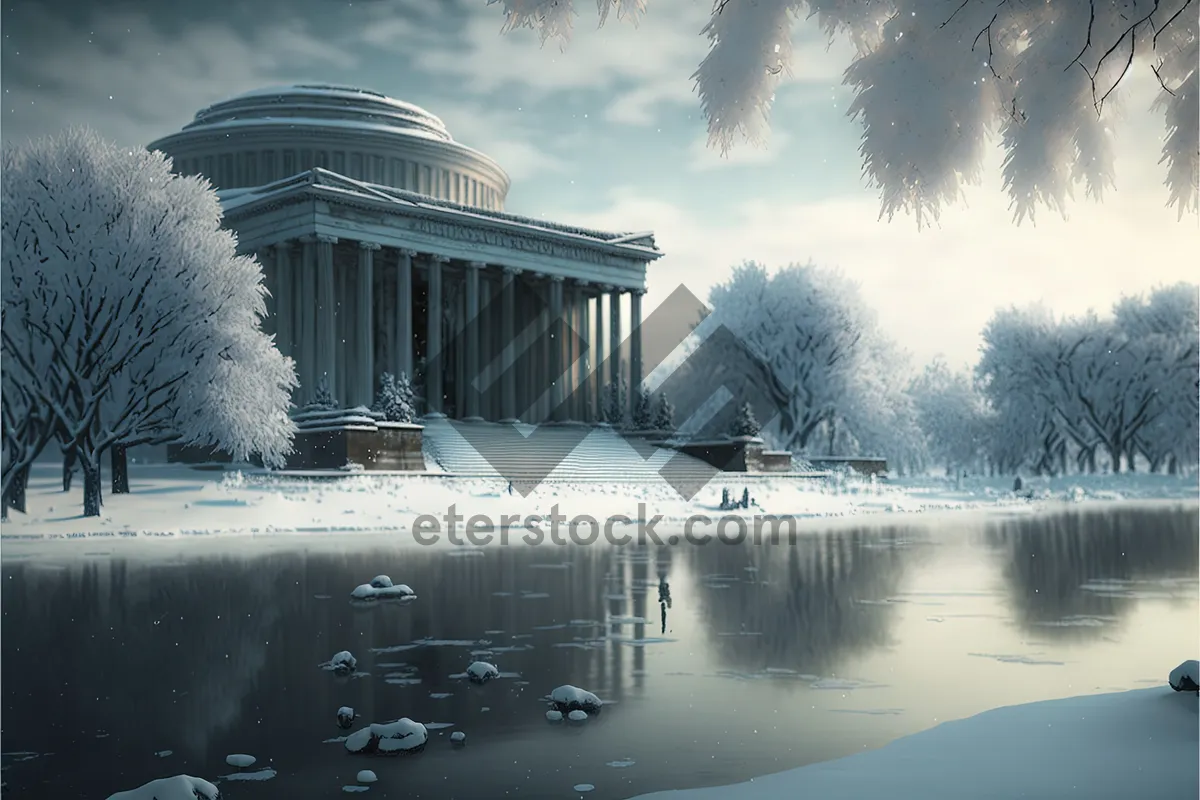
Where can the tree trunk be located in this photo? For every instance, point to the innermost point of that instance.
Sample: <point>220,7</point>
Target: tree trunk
<point>1173,466</point>
<point>1131,458</point>
<point>69,459</point>
<point>16,491</point>
<point>91,485</point>
<point>1114,455</point>
<point>120,469</point>
<point>1091,460</point>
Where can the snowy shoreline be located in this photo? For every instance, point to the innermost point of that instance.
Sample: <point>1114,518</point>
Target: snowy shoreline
<point>178,504</point>
<point>1140,743</point>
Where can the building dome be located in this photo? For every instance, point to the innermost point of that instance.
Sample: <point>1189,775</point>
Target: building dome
<point>272,134</point>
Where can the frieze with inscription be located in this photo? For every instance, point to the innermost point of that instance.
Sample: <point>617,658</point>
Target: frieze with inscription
<point>507,240</point>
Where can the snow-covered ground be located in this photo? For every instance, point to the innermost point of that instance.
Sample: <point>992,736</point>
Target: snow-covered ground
<point>1141,743</point>
<point>179,501</point>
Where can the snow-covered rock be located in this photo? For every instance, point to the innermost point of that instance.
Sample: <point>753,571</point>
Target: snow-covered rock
<point>577,716</point>
<point>342,663</point>
<point>240,760</point>
<point>458,737</point>
<point>482,672</point>
<point>571,698</point>
<point>179,787</point>
<point>554,716</point>
<point>380,588</point>
<point>345,717</point>
<point>366,776</point>
<point>385,738</point>
<point>1186,677</point>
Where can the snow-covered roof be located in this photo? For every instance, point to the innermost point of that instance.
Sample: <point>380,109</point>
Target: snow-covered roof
<point>318,103</point>
<point>330,184</point>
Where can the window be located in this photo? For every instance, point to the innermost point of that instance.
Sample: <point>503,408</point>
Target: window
<point>252,169</point>
<point>268,167</point>
<point>356,166</point>
<point>289,163</point>
<point>339,163</point>
<point>225,171</point>
<point>322,159</point>
<point>378,169</point>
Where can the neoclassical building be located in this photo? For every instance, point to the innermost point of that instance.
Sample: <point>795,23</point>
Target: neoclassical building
<point>382,239</point>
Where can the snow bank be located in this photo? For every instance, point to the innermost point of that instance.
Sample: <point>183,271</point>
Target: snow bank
<point>240,760</point>
<point>387,738</point>
<point>180,787</point>
<point>1140,744</point>
<point>176,501</point>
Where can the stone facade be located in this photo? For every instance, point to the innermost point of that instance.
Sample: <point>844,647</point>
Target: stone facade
<point>380,273</point>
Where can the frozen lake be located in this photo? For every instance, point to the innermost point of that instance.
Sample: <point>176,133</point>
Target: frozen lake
<point>770,658</point>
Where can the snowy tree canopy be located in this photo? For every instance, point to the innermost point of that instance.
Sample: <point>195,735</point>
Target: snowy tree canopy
<point>127,312</point>
<point>1126,384</point>
<point>935,80</point>
<point>952,414</point>
<point>807,327</point>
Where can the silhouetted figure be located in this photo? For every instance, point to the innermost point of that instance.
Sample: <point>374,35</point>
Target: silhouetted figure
<point>1017,485</point>
<point>745,498</point>
<point>664,600</point>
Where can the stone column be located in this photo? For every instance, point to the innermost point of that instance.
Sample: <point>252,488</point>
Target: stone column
<point>508,336</point>
<point>433,337</point>
<point>598,358</point>
<point>284,305</point>
<point>306,320</point>
<point>614,340</point>
<point>404,313</point>
<point>364,328</point>
<point>587,363</point>
<point>326,344</point>
<point>635,348</point>
<point>266,260</point>
<point>557,411</point>
<point>471,389</point>
<point>341,383</point>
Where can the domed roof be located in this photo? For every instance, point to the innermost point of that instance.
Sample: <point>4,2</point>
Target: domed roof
<point>316,103</point>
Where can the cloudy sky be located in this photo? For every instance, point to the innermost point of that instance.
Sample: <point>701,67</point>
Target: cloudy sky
<point>608,133</point>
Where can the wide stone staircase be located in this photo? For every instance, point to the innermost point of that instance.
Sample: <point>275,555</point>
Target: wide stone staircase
<point>554,453</point>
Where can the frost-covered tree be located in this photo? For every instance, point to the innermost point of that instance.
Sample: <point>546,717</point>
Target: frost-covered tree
<point>934,80</point>
<point>127,312</point>
<point>808,327</point>
<point>1086,382</point>
<point>643,411</point>
<point>322,397</point>
<point>664,414</point>
<point>616,409</point>
<point>744,424</point>
<point>395,398</point>
<point>952,414</point>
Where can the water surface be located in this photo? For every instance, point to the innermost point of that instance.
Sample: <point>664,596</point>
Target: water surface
<point>767,658</point>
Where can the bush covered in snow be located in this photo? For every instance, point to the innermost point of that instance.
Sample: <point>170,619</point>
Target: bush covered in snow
<point>388,738</point>
<point>345,717</point>
<point>395,402</point>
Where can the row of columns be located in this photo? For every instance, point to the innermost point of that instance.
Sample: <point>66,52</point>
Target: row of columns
<point>325,319</point>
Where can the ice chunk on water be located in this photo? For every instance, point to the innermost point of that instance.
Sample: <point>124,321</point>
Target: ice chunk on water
<point>179,787</point>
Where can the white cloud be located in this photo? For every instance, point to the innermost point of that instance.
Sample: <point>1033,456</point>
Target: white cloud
<point>133,82</point>
<point>935,289</point>
<point>643,68</point>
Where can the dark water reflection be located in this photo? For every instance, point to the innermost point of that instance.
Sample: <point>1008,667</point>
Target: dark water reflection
<point>769,657</point>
